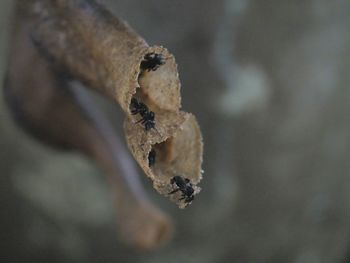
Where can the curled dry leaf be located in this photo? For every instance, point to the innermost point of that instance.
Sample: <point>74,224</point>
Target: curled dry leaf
<point>65,117</point>
<point>180,153</point>
<point>85,41</point>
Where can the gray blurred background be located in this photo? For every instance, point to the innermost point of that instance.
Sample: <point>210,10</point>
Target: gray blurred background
<point>268,81</point>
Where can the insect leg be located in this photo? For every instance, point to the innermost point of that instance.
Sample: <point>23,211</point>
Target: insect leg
<point>142,120</point>
<point>172,192</point>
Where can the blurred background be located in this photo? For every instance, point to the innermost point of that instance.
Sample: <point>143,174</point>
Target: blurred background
<point>268,82</point>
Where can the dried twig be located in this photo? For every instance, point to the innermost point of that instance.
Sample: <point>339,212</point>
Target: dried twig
<point>45,106</point>
<point>56,41</point>
<point>86,42</point>
<point>80,39</point>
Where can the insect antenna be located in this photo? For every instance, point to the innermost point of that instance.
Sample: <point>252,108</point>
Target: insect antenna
<point>157,131</point>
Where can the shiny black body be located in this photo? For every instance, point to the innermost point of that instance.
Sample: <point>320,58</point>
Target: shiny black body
<point>148,117</point>
<point>138,107</point>
<point>148,120</point>
<point>152,61</point>
<point>184,185</point>
<point>151,158</point>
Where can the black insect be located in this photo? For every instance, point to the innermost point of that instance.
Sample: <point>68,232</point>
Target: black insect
<point>138,107</point>
<point>152,158</point>
<point>148,117</point>
<point>184,185</point>
<point>148,120</point>
<point>152,61</point>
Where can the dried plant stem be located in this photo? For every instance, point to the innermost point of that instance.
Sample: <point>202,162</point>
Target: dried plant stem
<point>45,106</point>
<point>84,41</point>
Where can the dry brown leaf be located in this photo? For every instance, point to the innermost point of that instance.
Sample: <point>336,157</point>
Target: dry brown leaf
<point>86,42</point>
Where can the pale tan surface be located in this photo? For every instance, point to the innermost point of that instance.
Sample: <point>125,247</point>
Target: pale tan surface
<point>178,153</point>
